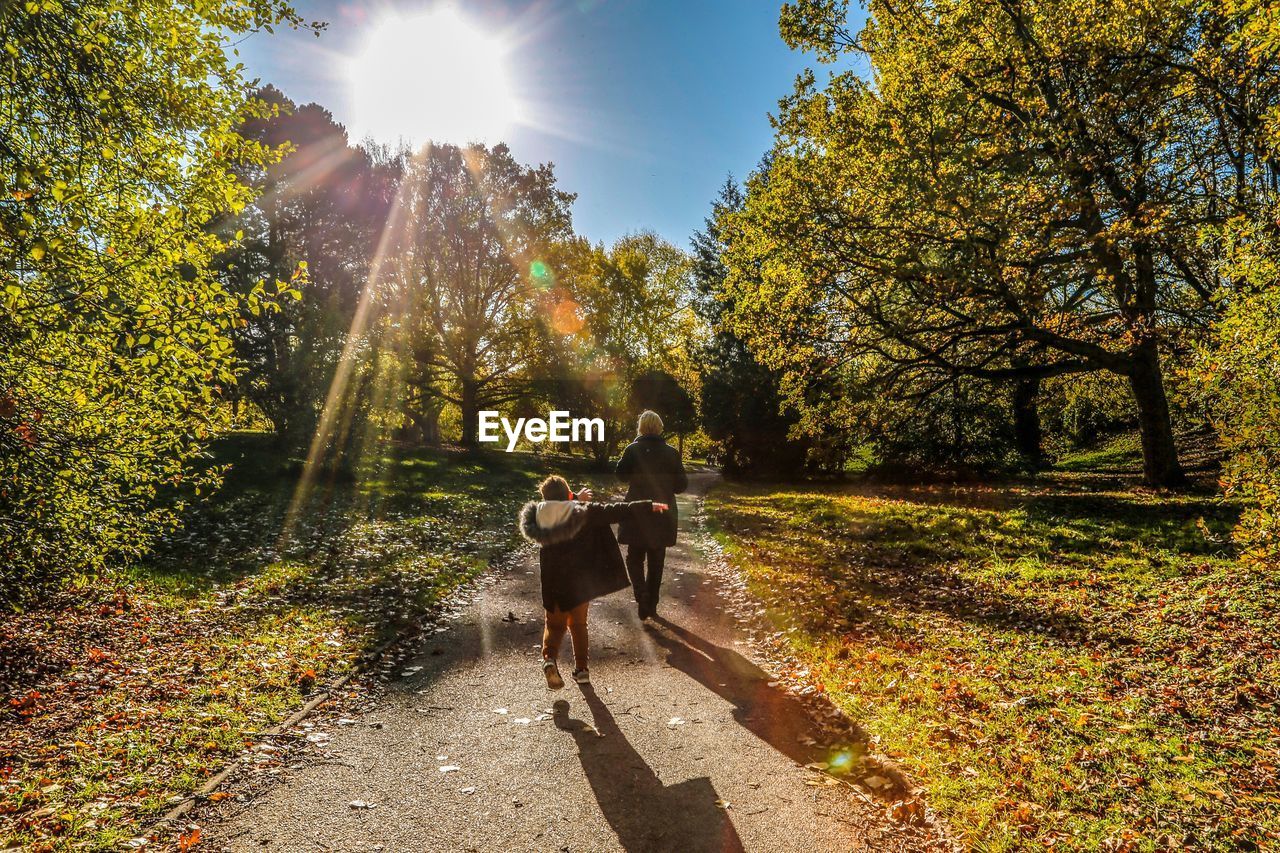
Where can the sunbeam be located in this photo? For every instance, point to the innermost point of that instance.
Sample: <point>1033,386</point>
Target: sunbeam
<point>334,412</point>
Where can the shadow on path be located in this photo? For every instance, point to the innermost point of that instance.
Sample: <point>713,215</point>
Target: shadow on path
<point>773,715</point>
<point>646,814</point>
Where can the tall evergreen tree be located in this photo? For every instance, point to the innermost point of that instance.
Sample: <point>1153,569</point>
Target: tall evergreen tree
<point>742,403</point>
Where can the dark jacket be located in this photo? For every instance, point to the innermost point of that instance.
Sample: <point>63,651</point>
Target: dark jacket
<point>652,470</point>
<point>579,558</point>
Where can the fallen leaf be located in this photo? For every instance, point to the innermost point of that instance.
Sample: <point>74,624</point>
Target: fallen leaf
<point>907,811</point>
<point>360,804</point>
<point>449,768</point>
<point>189,839</point>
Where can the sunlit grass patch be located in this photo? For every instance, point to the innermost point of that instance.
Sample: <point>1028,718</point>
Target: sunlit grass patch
<point>1123,453</point>
<point>1056,666</point>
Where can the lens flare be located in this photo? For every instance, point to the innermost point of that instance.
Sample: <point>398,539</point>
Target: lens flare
<point>541,276</point>
<point>841,762</point>
<point>564,317</point>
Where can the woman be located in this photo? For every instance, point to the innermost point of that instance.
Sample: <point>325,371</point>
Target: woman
<point>579,561</point>
<point>652,470</point>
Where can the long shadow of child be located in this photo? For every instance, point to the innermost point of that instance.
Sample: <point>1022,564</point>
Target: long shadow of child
<point>771,714</point>
<point>646,814</point>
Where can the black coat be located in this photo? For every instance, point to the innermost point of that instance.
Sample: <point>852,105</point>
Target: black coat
<point>579,558</point>
<point>652,470</point>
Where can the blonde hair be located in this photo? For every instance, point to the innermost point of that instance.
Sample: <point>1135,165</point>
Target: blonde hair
<point>555,488</point>
<point>649,423</point>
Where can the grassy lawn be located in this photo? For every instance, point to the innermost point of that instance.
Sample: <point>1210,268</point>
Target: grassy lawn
<point>127,691</point>
<point>1072,663</point>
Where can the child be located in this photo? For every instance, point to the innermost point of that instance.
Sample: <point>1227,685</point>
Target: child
<point>580,560</point>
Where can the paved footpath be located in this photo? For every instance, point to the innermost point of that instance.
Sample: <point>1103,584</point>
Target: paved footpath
<point>680,744</point>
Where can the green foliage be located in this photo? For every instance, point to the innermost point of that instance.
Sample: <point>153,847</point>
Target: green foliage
<point>960,429</point>
<point>117,149</point>
<point>1082,408</point>
<point>1240,381</point>
<point>1236,377</point>
<point>741,412</point>
<point>663,393</point>
<point>634,300</point>
<point>624,313</point>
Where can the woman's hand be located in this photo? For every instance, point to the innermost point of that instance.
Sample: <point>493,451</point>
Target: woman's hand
<point>585,495</point>
<point>657,507</point>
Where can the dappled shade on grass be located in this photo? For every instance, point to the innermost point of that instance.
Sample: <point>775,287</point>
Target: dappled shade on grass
<point>1053,663</point>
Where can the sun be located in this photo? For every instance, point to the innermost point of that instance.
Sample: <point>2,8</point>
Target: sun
<point>431,77</point>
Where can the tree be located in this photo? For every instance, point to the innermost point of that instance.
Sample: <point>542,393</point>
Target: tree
<point>742,400</point>
<point>116,152</point>
<point>1018,192</point>
<point>323,205</point>
<point>634,304</point>
<point>478,229</point>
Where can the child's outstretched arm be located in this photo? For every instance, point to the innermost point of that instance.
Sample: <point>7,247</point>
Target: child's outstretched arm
<point>612,513</point>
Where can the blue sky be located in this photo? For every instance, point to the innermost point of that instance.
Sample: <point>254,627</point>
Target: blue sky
<point>644,106</point>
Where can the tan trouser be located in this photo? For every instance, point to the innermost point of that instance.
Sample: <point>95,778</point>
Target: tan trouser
<point>553,634</point>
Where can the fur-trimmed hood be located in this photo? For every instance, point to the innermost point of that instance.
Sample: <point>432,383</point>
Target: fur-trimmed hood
<point>552,522</point>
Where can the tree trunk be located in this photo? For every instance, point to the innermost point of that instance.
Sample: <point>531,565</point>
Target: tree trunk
<point>424,427</point>
<point>1026,422</point>
<point>1160,465</point>
<point>958,450</point>
<point>431,426</point>
<point>470,412</point>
